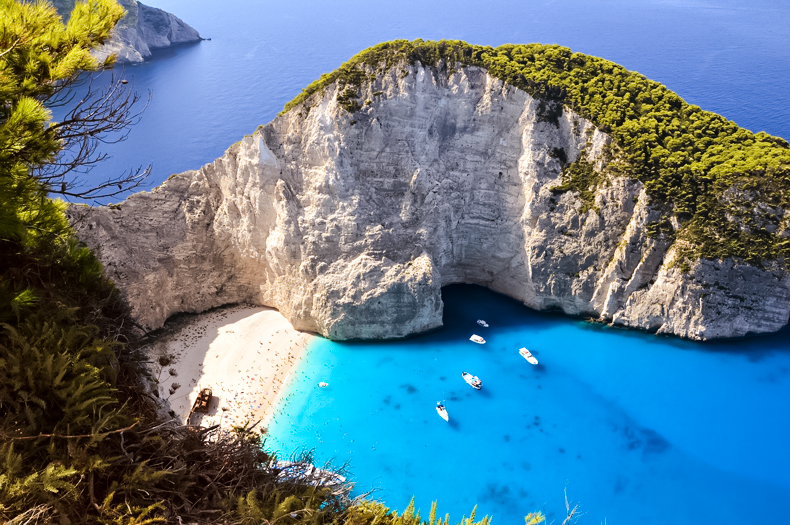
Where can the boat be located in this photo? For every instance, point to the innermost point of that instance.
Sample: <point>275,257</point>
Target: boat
<point>528,356</point>
<point>203,401</point>
<point>477,339</point>
<point>442,411</point>
<point>482,323</point>
<point>473,381</point>
<point>323,384</point>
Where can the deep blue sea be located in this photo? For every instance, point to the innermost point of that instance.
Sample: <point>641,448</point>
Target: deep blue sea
<point>637,428</point>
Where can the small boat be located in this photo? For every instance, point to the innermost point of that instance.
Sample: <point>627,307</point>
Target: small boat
<point>473,381</point>
<point>477,339</point>
<point>323,384</point>
<point>528,356</point>
<point>442,411</point>
<point>482,323</point>
<point>203,401</point>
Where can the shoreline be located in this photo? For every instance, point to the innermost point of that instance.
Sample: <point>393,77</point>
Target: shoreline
<point>245,354</point>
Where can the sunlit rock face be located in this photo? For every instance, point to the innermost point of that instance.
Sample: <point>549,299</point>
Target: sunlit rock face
<point>350,223</point>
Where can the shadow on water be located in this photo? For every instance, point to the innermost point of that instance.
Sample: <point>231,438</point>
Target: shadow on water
<point>498,310</point>
<point>503,312</point>
<point>171,52</point>
<point>141,71</point>
<point>756,346</point>
<point>485,392</point>
<point>458,321</point>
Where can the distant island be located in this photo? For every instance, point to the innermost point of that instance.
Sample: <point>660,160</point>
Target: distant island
<point>142,30</point>
<point>559,179</point>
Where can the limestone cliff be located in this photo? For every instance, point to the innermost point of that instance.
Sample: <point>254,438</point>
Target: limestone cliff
<point>350,223</point>
<point>142,30</point>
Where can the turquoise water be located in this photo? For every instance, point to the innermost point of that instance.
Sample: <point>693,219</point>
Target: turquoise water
<point>639,428</point>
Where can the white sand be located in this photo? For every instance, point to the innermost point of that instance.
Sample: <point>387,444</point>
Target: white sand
<point>244,354</point>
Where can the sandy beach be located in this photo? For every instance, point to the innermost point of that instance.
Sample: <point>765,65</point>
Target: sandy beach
<point>245,354</point>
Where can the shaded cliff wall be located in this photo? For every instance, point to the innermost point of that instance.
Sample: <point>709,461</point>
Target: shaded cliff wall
<point>349,224</point>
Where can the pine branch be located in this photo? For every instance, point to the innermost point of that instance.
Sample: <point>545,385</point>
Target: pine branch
<point>100,434</point>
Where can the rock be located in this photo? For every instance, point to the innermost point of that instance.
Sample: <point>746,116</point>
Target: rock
<point>142,30</point>
<point>350,224</point>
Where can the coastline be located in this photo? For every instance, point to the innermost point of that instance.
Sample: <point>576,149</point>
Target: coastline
<point>245,354</point>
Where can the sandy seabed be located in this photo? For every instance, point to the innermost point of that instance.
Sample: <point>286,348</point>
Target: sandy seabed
<point>245,354</point>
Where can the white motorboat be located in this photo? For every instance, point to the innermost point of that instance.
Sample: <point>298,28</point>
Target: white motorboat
<point>482,323</point>
<point>323,384</point>
<point>477,339</point>
<point>528,356</point>
<point>442,411</point>
<point>473,381</point>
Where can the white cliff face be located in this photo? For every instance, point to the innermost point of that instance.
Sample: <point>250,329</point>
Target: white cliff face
<point>142,30</point>
<point>350,224</point>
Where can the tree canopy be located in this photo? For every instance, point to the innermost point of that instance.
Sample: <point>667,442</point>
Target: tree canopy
<point>39,55</point>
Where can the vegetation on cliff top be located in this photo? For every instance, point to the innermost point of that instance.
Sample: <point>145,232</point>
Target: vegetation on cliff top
<point>727,187</point>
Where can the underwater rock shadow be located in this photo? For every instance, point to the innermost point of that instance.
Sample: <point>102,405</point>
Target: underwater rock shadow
<point>645,439</point>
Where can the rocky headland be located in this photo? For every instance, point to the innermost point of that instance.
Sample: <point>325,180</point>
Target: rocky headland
<point>142,30</point>
<point>350,211</point>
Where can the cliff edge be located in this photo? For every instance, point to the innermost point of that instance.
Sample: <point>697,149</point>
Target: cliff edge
<point>351,210</point>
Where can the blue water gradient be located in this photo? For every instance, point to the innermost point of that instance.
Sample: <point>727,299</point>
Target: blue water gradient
<point>639,428</point>
<point>727,56</point>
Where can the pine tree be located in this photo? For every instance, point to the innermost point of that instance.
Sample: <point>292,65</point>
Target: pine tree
<point>39,56</point>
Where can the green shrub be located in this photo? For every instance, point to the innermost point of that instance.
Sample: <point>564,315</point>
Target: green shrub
<point>582,178</point>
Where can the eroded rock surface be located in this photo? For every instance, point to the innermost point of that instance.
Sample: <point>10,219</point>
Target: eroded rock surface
<point>350,224</point>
